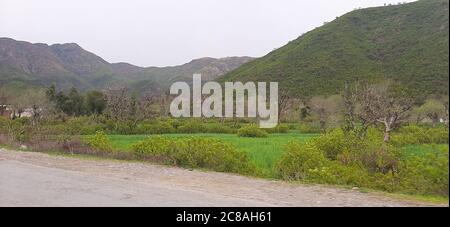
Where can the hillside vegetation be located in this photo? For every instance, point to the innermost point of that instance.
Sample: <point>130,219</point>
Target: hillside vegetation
<point>406,43</point>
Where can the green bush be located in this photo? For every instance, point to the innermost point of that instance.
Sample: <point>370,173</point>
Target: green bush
<point>156,127</point>
<point>219,128</point>
<point>191,127</point>
<point>337,174</point>
<point>345,159</point>
<point>251,131</point>
<point>414,134</point>
<point>299,160</point>
<point>309,128</point>
<point>195,152</point>
<point>279,129</point>
<point>100,142</point>
<point>426,174</point>
<point>19,130</point>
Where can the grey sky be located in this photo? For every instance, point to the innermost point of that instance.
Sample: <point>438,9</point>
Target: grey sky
<point>169,32</point>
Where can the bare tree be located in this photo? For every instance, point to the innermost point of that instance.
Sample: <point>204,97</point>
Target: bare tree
<point>350,99</point>
<point>132,109</point>
<point>380,105</point>
<point>433,109</point>
<point>283,105</point>
<point>117,103</point>
<point>325,107</point>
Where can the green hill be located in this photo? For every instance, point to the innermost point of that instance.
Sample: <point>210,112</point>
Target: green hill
<point>406,43</point>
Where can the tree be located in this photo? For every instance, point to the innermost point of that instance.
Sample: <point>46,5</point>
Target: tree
<point>283,105</point>
<point>34,102</point>
<point>131,109</point>
<point>117,103</point>
<point>350,100</point>
<point>382,104</point>
<point>74,103</point>
<point>95,102</point>
<point>325,107</point>
<point>433,109</point>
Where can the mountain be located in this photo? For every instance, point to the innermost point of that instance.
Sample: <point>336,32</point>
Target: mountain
<point>407,43</point>
<point>24,64</point>
<point>210,68</point>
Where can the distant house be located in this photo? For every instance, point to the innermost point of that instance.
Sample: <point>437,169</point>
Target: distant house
<point>8,112</point>
<point>5,111</point>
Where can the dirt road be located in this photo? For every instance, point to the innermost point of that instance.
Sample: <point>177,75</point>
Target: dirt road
<point>36,179</point>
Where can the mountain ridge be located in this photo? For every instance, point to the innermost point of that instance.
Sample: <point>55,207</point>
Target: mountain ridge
<point>69,65</point>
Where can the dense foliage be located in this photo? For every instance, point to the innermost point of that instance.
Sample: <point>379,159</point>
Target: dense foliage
<point>407,43</point>
<point>346,159</point>
<point>252,131</point>
<point>195,152</point>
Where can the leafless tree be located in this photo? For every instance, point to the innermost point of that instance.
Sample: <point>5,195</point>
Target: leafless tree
<point>324,107</point>
<point>350,99</point>
<point>132,109</point>
<point>118,103</point>
<point>381,106</point>
<point>283,105</point>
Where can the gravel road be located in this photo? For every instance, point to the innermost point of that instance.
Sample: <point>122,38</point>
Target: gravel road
<point>36,179</point>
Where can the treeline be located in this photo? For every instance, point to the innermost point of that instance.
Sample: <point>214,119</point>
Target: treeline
<point>74,103</point>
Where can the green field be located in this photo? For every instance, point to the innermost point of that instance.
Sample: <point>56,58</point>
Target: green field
<point>263,151</point>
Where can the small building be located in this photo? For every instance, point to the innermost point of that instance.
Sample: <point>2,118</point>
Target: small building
<point>6,111</point>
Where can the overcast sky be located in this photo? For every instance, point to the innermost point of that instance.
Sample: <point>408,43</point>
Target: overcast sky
<point>169,32</point>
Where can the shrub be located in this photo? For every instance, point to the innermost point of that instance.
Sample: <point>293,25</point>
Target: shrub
<point>251,131</point>
<point>100,142</point>
<point>414,134</point>
<point>219,128</point>
<point>426,174</point>
<point>300,160</point>
<point>279,129</point>
<point>195,152</point>
<point>157,127</point>
<point>337,174</point>
<point>81,126</point>
<point>345,159</point>
<point>191,127</point>
<point>309,128</point>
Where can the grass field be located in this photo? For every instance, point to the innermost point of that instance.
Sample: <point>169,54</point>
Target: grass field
<point>263,151</point>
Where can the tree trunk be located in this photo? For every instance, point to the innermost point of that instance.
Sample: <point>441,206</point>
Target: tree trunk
<point>387,136</point>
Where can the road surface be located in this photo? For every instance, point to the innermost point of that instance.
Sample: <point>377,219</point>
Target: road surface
<point>37,179</point>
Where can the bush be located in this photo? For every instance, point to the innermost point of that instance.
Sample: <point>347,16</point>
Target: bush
<point>414,134</point>
<point>309,128</point>
<point>252,131</point>
<point>299,160</point>
<point>191,127</point>
<point>279,129</point>
<point>345,159</point>
<point>100,142</point>
<point>157,127</point>
<point>426,174</point>
<point>337,174</point>
<point>195,152</point>
<point>81,126</point>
